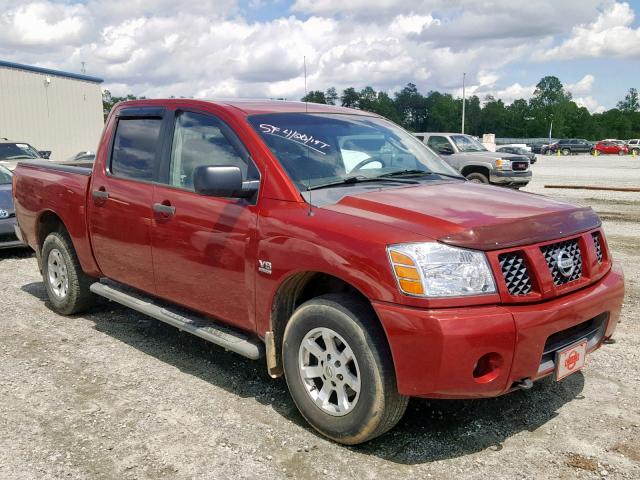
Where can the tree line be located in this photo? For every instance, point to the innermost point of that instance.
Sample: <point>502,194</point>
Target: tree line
<point>442,112</point>
<point>550,104</point>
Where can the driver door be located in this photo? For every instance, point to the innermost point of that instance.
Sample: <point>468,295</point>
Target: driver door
<point>202,246</point>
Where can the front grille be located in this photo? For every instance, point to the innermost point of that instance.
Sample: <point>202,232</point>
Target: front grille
<point>515,272</point>
<point>8,237</point>
<point>519,166</point>
<point>563,251</point>
<point>596,243</point>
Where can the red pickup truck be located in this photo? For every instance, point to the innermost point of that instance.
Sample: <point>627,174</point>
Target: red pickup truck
<point>329,241</point>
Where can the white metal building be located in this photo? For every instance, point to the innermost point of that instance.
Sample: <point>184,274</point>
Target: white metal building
<point>49,109</point>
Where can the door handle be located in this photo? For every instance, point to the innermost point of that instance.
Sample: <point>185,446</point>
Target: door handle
<point>164,210</point>
<point>100,194</point>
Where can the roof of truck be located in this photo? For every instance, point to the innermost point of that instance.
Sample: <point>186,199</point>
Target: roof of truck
<point>256,106</point>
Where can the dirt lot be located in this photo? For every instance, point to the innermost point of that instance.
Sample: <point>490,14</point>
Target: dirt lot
<point>111,394</point>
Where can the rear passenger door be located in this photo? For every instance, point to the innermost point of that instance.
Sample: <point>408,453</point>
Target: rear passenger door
<point>202,246</point>
<point>121,196</point>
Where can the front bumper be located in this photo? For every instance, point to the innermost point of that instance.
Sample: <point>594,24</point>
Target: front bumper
<point>8,238</point>
<point>436,352</point>
<point>509,178</point>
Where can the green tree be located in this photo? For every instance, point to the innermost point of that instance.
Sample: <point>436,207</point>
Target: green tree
<point>350,98</point>
<point>314,96</point>
<point>331,95</point>
<point>411,107</point>
<point>631,102</point>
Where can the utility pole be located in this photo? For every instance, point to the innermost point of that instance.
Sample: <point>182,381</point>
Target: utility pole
<point>463,100</point>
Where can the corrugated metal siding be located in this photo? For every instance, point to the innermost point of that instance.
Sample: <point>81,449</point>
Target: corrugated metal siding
<point>64,116</point>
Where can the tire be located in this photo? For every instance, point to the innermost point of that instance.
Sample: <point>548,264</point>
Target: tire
<point>66,284</point>
<point>565,151</point>
<point>477,177</point>
<point>621,153</point>
<point>371,404</point>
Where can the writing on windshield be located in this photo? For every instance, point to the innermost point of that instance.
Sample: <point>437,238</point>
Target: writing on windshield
<point>296,136</point>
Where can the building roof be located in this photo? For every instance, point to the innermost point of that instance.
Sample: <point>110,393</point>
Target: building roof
<point>48,71</point>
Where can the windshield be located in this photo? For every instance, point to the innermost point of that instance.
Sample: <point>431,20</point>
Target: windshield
<point>15,151</point>
<point>319,148</point>
<point>468,144</point>
<point>5,176</point>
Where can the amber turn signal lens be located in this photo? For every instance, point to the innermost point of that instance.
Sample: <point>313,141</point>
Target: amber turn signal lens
<point>407,272</point>
<point>401,258</point>
<point>411,286</point>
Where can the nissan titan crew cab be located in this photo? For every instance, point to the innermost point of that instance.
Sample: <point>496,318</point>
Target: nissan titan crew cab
<point>330,242</point>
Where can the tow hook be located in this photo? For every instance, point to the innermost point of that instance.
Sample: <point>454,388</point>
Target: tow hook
<point>525,384</point>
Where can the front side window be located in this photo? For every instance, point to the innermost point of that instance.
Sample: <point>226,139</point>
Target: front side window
<point>135,148</point>
<point>201,140</point>
<point>319,148</point>
<point>439,143</point>
<point>5,176</point>
<point>468,144</point>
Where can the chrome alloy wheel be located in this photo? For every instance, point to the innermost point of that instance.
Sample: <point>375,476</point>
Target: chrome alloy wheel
<point>329,371</point>
<point>57,270</point>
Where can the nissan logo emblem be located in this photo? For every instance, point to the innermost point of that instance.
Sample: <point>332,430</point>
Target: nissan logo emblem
<point>565,263</point>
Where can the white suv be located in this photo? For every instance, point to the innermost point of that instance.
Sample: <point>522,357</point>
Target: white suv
<point>634,146</point>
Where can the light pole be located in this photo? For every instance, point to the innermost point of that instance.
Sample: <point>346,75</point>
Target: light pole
<point>463,100</point>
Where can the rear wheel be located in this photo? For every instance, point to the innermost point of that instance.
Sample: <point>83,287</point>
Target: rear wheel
<point>339,370</point>
<point>565,151</point>
<point>66,284</point>
<point>477,177</point>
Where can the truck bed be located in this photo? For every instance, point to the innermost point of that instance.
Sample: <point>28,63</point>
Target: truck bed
<point>44,189</point>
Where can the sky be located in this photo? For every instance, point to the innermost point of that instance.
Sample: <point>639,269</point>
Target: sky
<point>255,48</point>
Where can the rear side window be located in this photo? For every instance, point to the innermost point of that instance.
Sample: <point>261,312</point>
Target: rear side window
<point>135,148</point>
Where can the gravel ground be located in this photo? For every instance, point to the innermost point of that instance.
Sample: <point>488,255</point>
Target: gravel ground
<point>111,394</point>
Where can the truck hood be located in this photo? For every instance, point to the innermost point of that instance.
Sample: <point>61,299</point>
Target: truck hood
<point>470,215</point>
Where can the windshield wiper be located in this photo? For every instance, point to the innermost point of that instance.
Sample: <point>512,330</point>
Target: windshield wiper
<point>416,173</point>
<point>358,179</point>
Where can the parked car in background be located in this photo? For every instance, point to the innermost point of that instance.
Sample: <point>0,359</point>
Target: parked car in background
<point>518,151</point>
<point>8,237</point>
<point>237,221</point>
<point>568,146</point>
<point>476,163</point>
<point>634,146</point>
<point>611,148</point>
<point>13,152</point>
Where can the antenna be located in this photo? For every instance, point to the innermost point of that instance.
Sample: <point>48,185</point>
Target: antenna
<point>83,70</point>
<point>306,109</point>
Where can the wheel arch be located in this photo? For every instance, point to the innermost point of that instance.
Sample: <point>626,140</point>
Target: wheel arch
<point>468,169</point>
<point>293,292</point>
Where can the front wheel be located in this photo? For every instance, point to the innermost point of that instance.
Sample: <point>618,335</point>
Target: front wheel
<point>66,284</point>
<point>621,153</point>
<point>565,151</point>
<point>477,177</point>
<point>339,370</point>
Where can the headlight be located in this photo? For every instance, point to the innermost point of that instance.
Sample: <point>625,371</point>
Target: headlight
<point>437,270</point>
<point>503,164</point>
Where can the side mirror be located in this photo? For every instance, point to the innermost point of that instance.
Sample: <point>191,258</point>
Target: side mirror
<point>45,154</point>
<point>222,181</point>
<point>446,150</point>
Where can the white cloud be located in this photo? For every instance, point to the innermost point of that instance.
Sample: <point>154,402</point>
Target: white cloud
<point>610,34</point>
<point>211,48</point>
<point>582,86</point>
<point>589,103</point>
